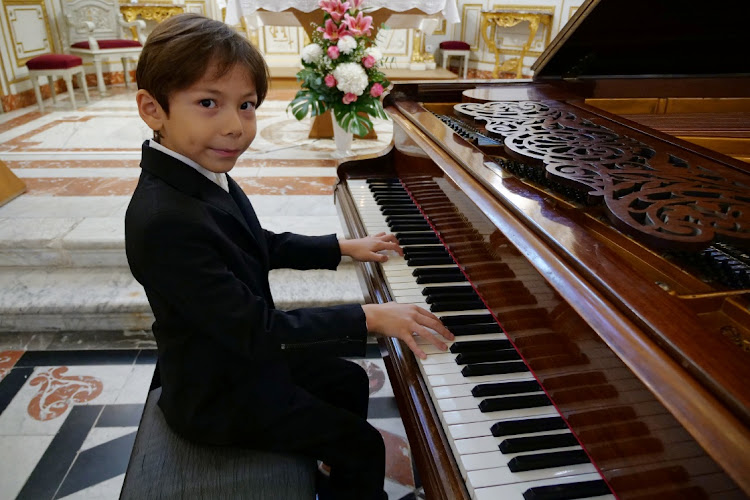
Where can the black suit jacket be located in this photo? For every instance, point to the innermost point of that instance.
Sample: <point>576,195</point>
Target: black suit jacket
<point>203,260</point>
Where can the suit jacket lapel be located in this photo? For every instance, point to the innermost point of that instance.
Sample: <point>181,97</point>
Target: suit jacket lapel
<point>191,182</point>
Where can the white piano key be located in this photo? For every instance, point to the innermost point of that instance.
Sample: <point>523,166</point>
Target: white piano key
<point>516,490</point>
<point>482,429</point>
<point>491,469</point>
<point>490,443</point>
<point>457,378</point>
<point>467,416</point>
<point>469,402</point>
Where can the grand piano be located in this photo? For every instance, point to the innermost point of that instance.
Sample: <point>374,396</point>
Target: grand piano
<point>595,270</point>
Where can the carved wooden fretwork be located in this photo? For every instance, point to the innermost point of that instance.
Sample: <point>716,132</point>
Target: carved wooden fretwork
<point>662,200</point>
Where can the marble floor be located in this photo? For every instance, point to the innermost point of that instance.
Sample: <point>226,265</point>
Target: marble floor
<point>72,391</point>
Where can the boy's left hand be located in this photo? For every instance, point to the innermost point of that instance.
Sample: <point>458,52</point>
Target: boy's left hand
<point>366,249</point>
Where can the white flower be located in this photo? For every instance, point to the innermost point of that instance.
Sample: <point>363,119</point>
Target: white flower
<point>347,44</point>
<point>312,53</point>
<point>350,77</point>
<point>374,52</point>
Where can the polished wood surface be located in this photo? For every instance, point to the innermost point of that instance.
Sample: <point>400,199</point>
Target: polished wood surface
<point>615,301</point>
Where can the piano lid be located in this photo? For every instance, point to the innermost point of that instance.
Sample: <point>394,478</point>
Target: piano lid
<point>660,38</point>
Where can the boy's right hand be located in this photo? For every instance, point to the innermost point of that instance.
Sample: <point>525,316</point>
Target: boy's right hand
<point>402,321</point>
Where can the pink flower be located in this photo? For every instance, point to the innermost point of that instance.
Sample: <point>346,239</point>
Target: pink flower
<point>332,31</point>
<point>349,98</point>
<point>360,25</point>
<point>336,8</point>
<point>333,52</point>
<point>356,4</point>
<point>330,80</point>
<point>368,61</point>
<point>376,90</point>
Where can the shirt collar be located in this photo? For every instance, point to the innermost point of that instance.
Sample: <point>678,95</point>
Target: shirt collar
<point>220,179</point>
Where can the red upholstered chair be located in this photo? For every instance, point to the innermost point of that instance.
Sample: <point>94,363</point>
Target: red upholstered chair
<point>95,32</point>
<point>52,66</point>
<point>456,48</point>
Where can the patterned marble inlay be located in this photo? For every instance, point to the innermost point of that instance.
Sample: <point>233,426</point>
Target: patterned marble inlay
<point>57,392</point>
<point>7,360</point>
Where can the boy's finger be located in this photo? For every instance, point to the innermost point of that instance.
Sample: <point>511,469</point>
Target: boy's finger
<point>415,348</point>
<point>434,339</point>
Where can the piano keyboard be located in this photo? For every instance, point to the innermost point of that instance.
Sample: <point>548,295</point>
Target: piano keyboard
<point>506,436</point>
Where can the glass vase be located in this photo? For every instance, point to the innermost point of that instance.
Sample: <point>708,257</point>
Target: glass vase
<point>343,140</point>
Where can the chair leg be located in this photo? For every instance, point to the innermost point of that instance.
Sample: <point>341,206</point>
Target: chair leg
<point>82,81</point>
<point>125,70</point>
<point>69,83</point>
<point>37,92</point>
<point>51,81</point>
<point>466,65</point>
<point>99,76</point>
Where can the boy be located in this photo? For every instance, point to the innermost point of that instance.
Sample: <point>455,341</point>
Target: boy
<point>235,370</point>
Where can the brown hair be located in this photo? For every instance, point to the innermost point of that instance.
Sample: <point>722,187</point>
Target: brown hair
<point>179,51</point>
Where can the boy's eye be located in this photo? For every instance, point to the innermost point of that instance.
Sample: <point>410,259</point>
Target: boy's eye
<point>247,105</point>
<point>207,103</point>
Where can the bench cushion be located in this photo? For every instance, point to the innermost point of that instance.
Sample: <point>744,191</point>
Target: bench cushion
<point>53,61</point>
<point>109,44</point>
<point>455,45</point>
<point>164,465</point>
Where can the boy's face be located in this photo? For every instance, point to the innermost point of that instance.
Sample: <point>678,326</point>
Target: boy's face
<point>212,122</point>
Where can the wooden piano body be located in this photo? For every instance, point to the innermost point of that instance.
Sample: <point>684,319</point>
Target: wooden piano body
<point>613,255</point>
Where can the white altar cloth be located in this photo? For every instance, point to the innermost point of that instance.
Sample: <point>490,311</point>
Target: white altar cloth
<point>237,8</point>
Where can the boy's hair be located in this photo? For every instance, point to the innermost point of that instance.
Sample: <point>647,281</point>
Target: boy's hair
<point>180,49</point>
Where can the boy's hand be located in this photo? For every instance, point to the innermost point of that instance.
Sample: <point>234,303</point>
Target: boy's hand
<point>402,321</point>
<point>366,249</point>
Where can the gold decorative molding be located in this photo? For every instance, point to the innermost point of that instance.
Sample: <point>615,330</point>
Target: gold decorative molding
<point>149,11</point>
<point>466,7</point>
<point>39,7</point>
<point>506,16</point>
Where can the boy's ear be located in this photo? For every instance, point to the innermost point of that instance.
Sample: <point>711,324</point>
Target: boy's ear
<point>150,110</point>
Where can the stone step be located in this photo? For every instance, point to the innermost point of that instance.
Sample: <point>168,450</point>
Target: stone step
<point>95,299</point>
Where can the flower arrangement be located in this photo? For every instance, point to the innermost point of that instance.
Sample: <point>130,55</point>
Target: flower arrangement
<point>340,69</point>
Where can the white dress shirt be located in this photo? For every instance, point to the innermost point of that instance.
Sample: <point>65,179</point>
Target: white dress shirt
<point>220,179</point>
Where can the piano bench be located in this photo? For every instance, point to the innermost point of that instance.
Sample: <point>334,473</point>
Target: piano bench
<point>456,48</point>
<point>164,465</point>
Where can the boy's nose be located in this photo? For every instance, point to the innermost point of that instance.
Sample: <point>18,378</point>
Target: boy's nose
<point>232,123</point>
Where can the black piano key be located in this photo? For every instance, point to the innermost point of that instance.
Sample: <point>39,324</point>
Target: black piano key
<point>476,329</point>
<point>393,198</point>
<point>426,272</point>
<point>442,290</point>
<point>584,489</point>
<point>429,261</point>
<point>505,388</point>
<point>456,305</point>
<point>405,218</point>
<point>442,278</point>
<point>526,426</point>
<point>536,443</point>
<point>383,180</point>
<point>387,190</point>
<point>469,294</point>
<point>437,252</point>
<point>425,249</point>
<point>514,403</point>
<point>408,227</point>
<point>399,210</point>
<point>466,358</point>
<point>494,368</point>
<point>466,319</point>
<point>478,345</point>
<point>538,461</point>
<point>406,239</point>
